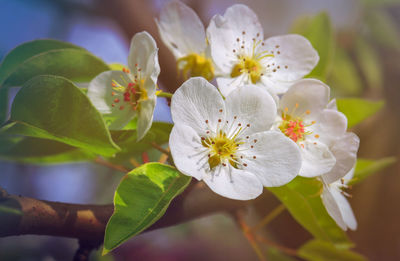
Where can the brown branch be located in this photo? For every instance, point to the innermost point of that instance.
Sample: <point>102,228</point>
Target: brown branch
<point>87,222</point>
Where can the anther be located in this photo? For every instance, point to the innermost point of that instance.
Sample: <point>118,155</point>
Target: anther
<point>116,100</point>
<point>254,157</point>
<point>308,112</point>
<point>219,120</point>
<point>220,110</point>
<point>248,125</point>
<point>316,136</point>
<point>255,140</point>
<point>206,121</point>
<point>244,164</point>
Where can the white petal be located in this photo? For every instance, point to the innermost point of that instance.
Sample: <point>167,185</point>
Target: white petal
<point>181,29</point>
<point>145,116</point>
<point>345,151</point>
<point>294,55</point>
<point>143,56</point>
<point>226,84</point>
<point>196,102</point>
<point>332,105</point>
<point>275,87</point>
<point>223,32</point>
<point>309,94</point>
<point>277,159</point>
<point>102,95</point>
<point>332,207</point>
<point>317,159</point>
<point>234,183</point>
<point>345,210</point>
<point>330,125</point>
<point>251,105</point>
<point>185,143</point>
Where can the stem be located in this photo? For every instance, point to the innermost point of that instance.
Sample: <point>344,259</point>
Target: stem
<point>110,165</point>
<point>159,148</point>
<point>286,250</point>
<point>249,236</point>
<point>165,95</point>
<point>88,222</point>
<point>268,218</point>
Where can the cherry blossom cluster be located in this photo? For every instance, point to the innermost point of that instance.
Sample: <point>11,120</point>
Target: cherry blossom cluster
<point>260,124</point>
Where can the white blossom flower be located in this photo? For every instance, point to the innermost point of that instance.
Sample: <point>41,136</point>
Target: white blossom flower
<point>183,33</point>
<point>344,147</point>
<point>228,143</point>
<point>336,204</point>
<point>240,52</point>
<point>319,132</point>
<point>124,95</point>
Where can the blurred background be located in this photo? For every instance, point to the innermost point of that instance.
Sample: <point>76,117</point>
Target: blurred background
<point>366,63</point>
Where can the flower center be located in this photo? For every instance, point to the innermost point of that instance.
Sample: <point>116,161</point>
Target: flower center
<point>293,128</point>
<point>222,149</point>
<point>196,65</point>
<point>132,91</point>
<point>248,65</point>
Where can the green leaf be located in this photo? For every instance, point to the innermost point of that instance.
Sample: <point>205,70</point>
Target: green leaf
<point>357,109</point>
<point>10,214</point>
<point>319,31</point>
<point>344,78</point>
<point>116,66</point>
<point>48,57</point>
<point>302,199</point>
<point>40,151</point>
<point>141,199</point>
<point>369,63</point>
<point>75,64</point>
<point>365,168</point>
<point>27,50</point>
<point>274,254</point>
<point>3,105</point>
<point>52,107</point>
<point>318,250</point>
<point>126,140</point>
<point>383,29</point>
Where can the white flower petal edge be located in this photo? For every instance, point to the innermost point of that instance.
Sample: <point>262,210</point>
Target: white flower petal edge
<point>103,97</point>
<point>302,118</point>
<point>197,104</point>
<point>224,143</point>
<point>344,148</point>
<point>181,29</point>
<point>242,55</point>
<point>268,157</point>
<point>337,205</point>
<point>241,103</point>
<point>123,95</point>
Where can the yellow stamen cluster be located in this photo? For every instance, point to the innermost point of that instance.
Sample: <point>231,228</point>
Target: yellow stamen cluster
<point>250,64</point>
<point>222,149</point>
<point>194,65</point>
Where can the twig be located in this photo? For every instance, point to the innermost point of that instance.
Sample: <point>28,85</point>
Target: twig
<point>268,218</point>
<point>159,148</point>
<point>249,236</point>
<point>110,165</point>
<point>286,250</point>
<point>88,222</point>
